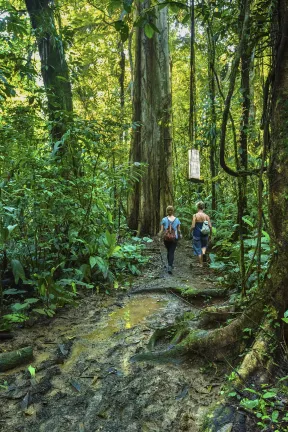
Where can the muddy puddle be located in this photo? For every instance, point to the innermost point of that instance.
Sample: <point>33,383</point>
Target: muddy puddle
<point>112,331</point>
<point>85,379</point>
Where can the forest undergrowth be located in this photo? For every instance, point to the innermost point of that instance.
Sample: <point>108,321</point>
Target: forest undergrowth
<point>86,373</point>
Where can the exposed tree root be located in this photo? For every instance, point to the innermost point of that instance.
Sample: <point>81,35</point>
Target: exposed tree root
<point>216,315</point>
<point>206,342</point>
<point>257,357</point>
<point>174,333</point>
<point>185,292</point>
<point>5,335</point>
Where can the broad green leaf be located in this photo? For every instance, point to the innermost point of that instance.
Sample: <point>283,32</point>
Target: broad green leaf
<point>13,291</point>
<point>266,234</point>
<point>19,306</point>
<point>149,32</point>
<point>31,300</point>
<point>17,270</point>
<point>247,403</point>
<point>247,221</point>
<point>40,311</point>
<point>116,249</point>
<point>92,261</point>
<point>11,227</point>
<point>14,318</point>
<point>32,371</point>
<point>269,395</point>
<point>186,18</point>
<point>274,416</point>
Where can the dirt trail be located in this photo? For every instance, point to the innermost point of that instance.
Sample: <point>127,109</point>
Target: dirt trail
<point>85,380</point>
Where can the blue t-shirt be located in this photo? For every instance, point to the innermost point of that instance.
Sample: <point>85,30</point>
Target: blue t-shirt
<point>165,222</point>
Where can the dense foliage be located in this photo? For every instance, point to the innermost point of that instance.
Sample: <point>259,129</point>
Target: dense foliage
<point>63,199</point>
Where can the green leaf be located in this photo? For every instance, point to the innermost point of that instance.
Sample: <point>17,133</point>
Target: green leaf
<point>11,227</point>
<point>40,311</point>
<point>31,300</point>
<point>92,261</point>
<point>32,371</point>
<point>274,416</point>
<point>186,18</point>
<point>247,221</point>
<point>115,250</point>
<point>13,291</point>
<point>118,25</point>
<point>268,395</point>
<point>17,270</point>
<point>266,234</point>
<point>19,306</point>
<point>127,5</point>
<point>250,404</point>
<point>15,318</point>
<point>149,31</point>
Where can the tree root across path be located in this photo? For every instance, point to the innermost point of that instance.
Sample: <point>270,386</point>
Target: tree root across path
<point>187,292</point>
<point>187,339</point>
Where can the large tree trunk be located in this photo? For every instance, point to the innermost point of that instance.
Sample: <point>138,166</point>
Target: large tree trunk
<point>151,142</point>
<point>54,67</point>
<point>278,173</point>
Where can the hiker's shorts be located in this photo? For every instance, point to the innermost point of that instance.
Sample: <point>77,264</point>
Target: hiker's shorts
<point>199,243</point>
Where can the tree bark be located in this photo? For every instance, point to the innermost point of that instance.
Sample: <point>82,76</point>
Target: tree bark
<point>278,174</point>
<point>151,141</point>
<point>54,67</point>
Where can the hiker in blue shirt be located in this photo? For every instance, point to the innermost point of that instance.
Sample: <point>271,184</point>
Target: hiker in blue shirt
<point>170,228</point>
<point>200,239</point>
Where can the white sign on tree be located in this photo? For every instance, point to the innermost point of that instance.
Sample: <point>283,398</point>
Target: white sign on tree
<point>194,164</point>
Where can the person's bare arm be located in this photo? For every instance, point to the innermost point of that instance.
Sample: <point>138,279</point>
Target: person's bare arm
<point>193,222</point>
<point>160,233</point>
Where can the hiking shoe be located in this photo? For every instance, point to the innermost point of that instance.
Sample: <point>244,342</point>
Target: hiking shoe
<point>169,269</point>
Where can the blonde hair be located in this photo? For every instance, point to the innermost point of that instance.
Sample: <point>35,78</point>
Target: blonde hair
<point>200,205</point>
<point>170,207</point>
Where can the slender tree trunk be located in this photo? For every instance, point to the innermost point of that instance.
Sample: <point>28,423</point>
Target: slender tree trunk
<point>151,142</point>
<point>213,117</point>
<point>54,67</point>
<point>121,79</point>
<point>192,111</point>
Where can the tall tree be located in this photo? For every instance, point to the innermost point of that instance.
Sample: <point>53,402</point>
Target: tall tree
<point>213,116</point>
<point>151,142</point>
<point>54,67</point>
<point>192,109</point>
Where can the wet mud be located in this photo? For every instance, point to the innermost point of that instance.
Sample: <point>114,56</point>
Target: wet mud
<point>85,379</point>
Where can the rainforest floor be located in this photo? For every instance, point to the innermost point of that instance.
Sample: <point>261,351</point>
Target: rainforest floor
<point>85,379</point>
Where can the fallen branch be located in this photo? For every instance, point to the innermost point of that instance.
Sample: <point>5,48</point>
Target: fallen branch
<point>9,360</point>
